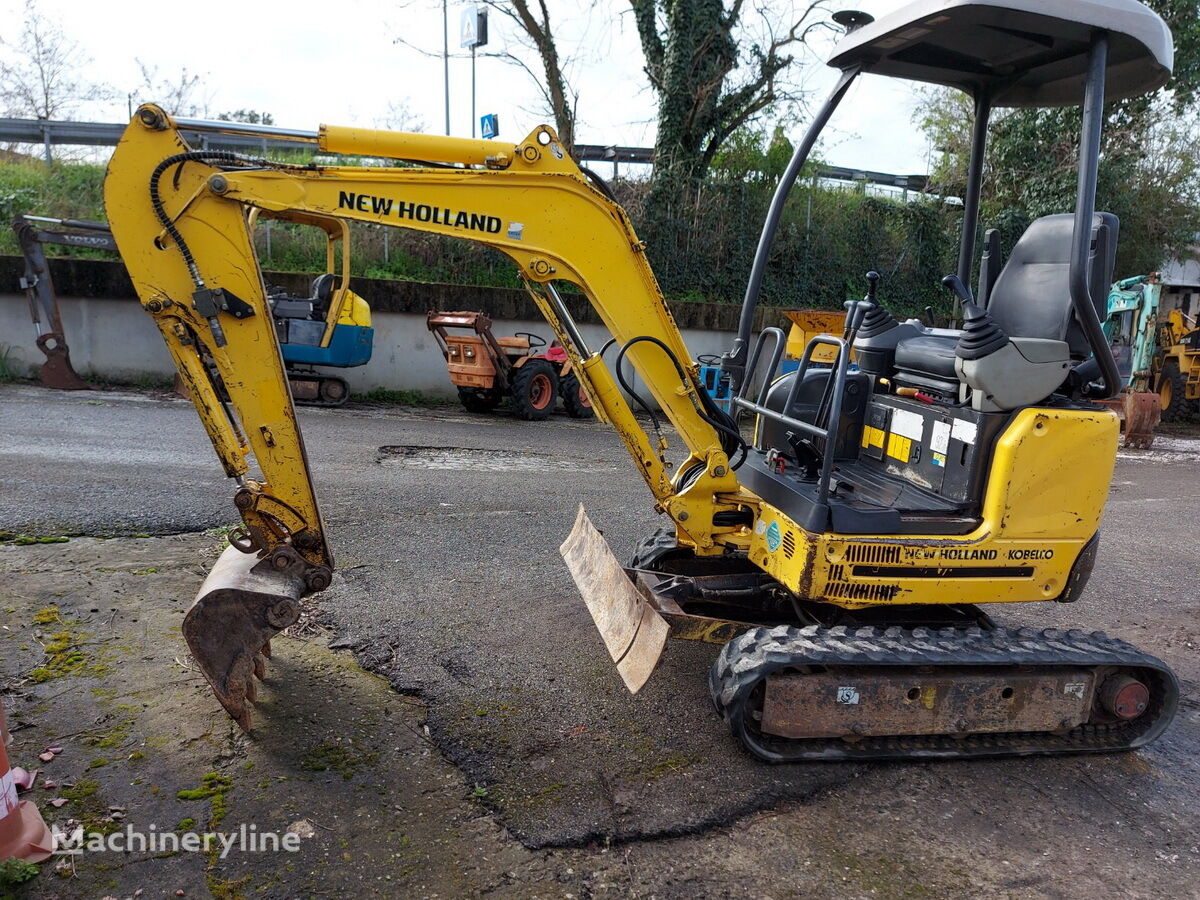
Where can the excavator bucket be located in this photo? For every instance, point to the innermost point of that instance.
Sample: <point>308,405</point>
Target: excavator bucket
<point>244,602</point>
<point>1142,413</point>
<point>57,371</point>
<point>632,629</point>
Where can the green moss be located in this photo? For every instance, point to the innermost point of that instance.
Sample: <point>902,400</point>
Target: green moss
<point>64,654</point>
<point>213,787</point>
<point>98,763</point>
<point>186,824</point>
<point>25,540</point>
<point>63,657</point>
<point>671,764</point>
<point>226,888</point>
<point>100,825</point>
<point>212,784</point>
<point>81,790</point>
<point>115,736</point>
<point>344,758</point>
<point>46,615</point>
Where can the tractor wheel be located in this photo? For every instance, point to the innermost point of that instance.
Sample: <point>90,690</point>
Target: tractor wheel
<point>534,390</point>
<point>575,399</point>
<point>478,401</point>
<point>1172,388</point>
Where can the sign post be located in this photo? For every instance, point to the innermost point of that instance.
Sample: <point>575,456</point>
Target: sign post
<point>474,33</point>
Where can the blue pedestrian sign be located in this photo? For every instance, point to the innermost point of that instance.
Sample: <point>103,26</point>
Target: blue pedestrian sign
<point>489,125</point>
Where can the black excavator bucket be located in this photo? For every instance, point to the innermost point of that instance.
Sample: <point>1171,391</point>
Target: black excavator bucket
<point>244,602</point>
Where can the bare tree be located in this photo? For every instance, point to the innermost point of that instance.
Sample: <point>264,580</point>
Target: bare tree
<point>249,116</point>
<point>40,72</point>
<point>534,22</point>
<point>534,34</point>
<point>400,117</point>
<point>180,94</point>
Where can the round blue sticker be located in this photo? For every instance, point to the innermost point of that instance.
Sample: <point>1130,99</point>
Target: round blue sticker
<point>774,537</point>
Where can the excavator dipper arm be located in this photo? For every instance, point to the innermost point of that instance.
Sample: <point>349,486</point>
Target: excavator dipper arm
<point>181,218</point>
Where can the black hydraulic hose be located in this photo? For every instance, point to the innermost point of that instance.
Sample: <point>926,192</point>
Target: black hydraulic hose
<point>205,156</point>
<point>601,185</point>
<point>160,212</point>
<point>735,359</point>
<point>628,387</point>
<point>717,418</point>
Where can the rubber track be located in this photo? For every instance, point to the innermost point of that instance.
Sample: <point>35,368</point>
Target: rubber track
<point>748,659</point>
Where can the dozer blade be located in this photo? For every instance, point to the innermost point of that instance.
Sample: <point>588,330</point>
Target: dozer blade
<point>243,603</point>
<point>633,631</point>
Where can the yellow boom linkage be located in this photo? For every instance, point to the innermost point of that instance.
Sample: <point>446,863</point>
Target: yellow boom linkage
<point>182,220</point>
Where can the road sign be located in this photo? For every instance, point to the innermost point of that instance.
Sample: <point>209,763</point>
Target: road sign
<point>489,125</point>
<point>473,30</point>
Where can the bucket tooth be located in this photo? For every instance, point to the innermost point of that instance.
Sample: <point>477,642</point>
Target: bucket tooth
<point>632,629</point>
<point>244,602</point>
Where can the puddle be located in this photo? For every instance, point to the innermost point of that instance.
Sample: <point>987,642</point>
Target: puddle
<point>475,459</point>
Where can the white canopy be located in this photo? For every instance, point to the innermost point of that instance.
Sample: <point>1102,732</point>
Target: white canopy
<point>1026,52</point>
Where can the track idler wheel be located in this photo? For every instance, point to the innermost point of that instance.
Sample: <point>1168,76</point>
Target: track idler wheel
<point>244,602</point>
<point>1124,697</point>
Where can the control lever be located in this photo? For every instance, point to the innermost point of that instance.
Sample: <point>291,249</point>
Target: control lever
<point>872,287</point>
<point>959,290</point>
<point>980,335</point>
<point>858,310</point>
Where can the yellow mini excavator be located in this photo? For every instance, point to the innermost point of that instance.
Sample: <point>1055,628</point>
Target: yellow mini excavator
<point>840,549</point>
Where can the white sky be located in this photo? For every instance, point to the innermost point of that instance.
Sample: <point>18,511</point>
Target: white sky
<point>308,63</point>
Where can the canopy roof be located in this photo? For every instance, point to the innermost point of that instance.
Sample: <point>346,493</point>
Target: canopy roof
<point>1027,52</point>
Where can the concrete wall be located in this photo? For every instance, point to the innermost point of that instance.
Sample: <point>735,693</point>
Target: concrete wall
<point>111,338</point>
<point>115,340</point>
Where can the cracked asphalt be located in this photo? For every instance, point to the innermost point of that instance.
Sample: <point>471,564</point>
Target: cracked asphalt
<point>446,527</point>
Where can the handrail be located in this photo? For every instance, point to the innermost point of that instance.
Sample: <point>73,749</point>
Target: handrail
<point>841,368</point>
<point>776,356</point>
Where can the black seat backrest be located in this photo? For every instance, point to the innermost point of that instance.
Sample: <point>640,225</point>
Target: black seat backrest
<point>322,289</point>
<point>1032,296</point>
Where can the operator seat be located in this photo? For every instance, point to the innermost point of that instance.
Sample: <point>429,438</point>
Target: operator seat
<point>1031,299</point>
<point>322,290</point>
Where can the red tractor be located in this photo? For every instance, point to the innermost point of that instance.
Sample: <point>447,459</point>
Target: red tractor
<point>486,369</point>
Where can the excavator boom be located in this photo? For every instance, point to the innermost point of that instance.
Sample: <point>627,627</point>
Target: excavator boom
<point>182,219</point>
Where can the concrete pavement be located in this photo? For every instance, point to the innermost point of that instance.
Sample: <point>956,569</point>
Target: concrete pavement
<point>446,527</point>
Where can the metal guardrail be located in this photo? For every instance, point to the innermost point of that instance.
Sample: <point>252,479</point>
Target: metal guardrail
<point>106,134</point>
